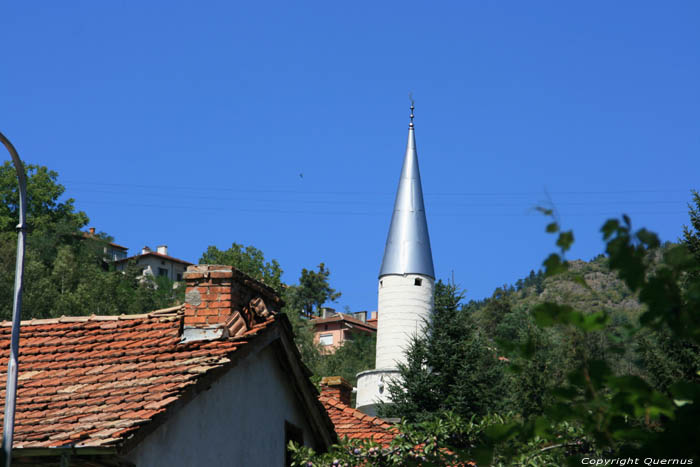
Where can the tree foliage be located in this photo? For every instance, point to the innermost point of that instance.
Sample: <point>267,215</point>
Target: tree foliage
<point>452,367</point>
<point>45,210</point>
<point>615,381</point>
<point>691,233</point>
<point>622,413</point>
<point>313,291</point>
<point>247,259</point>
<point>65,271</point>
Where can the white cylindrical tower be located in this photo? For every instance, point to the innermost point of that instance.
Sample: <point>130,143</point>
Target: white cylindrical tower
<point>405,304</point>
<point>406,283</point>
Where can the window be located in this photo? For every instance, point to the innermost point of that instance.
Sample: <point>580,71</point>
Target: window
<point>179,276</point>
<point>381,283</point>
<point>291,433</point>
<point>326,339</point>
<point>162,272</point>
<point>418,282</point>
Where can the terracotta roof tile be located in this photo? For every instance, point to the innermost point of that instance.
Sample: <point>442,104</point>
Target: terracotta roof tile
<point>353,424</point>
<point>95,380</point>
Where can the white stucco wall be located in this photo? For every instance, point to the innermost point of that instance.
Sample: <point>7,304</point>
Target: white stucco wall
<point>403,309</point>
<point>150,265</point>
<point>239,421</point>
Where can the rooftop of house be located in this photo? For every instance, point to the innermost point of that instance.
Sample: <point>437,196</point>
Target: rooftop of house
<point>156,255</point>
<point>101,384</point>
<point>348,421</point>
<point>94,381</point>
<point>91,234</point>
<point>341,317</point>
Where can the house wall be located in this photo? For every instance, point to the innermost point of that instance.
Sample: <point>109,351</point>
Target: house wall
<point>151,264</point>
<point>334,328</point>
<point>340,335</point>
<point>239,421</point>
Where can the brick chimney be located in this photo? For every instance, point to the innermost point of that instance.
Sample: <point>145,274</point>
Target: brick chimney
<point>337,388</point>
<point>222,301</point>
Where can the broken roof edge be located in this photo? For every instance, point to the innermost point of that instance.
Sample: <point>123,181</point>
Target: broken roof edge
<point>171,312</point>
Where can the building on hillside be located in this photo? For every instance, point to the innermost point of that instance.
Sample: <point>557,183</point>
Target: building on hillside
<point>157,263</point>
<point>333,329</point>
<point>406,283</point>
<point>373,320</point>
<point>216,381</point>
<point>112,251</point>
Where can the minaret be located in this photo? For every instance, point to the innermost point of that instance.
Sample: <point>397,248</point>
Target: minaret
<point>406,283</point>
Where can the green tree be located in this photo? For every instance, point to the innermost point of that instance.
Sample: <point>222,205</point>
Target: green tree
<point>354,356</point>
<point>691,233</point>
<point>313,292</point>
<point>249,260</point>
<point>65,272</point>
<point>451,368</point>
<point>622,414</point>
<point>45,210</point>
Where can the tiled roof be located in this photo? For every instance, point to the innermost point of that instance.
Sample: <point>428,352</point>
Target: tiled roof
<point>345,318</point>
<point>94,381</point>
<point>113,245</point>
<point>157,255</point>
<point>353,424</point>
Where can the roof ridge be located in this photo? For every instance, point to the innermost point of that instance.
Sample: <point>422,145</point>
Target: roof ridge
<point>344,317</point>
<point>164,312</point>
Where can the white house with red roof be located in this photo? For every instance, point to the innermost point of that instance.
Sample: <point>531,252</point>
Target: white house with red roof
<point>216,381</point>
<point>156,263</point>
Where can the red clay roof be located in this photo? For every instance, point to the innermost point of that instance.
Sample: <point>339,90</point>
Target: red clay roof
<point>353,424</point>
<point>113,245</point>
<point>157,255</point>
<point>94,381</point>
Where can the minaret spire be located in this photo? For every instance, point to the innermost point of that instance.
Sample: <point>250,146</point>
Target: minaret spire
<point>407,248</point>
<point>406,289</point>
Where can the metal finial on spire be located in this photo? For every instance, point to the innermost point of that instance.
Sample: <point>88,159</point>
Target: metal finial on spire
<point>407,248</point>
<point>410,96</point>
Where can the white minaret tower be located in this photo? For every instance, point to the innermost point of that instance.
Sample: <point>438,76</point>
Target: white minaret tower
<point>406,283</point>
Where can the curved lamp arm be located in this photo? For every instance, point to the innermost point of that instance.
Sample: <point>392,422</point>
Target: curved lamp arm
<point>12,366</point>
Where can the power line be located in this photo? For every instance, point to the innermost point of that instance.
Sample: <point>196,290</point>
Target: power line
<point>327,192</point>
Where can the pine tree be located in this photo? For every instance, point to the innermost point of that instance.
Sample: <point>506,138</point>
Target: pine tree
<point>451,368</point>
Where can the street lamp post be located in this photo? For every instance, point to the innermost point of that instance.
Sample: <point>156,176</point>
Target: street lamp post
<point>12,366</point>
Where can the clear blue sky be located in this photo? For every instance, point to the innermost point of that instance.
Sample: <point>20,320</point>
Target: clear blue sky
<point>189,124</point>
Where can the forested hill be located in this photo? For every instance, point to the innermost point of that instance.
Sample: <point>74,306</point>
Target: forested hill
<point>605,290</point>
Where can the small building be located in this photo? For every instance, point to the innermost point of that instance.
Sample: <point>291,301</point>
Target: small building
<point>157,263</point>
<point>216,381</point>
<point>333,329</point>
<point>112,251</point>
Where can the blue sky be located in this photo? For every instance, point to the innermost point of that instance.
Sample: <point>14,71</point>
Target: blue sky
<point>283,125</point>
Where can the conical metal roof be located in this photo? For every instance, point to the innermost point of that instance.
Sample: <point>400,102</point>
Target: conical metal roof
<point>407,248</point>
